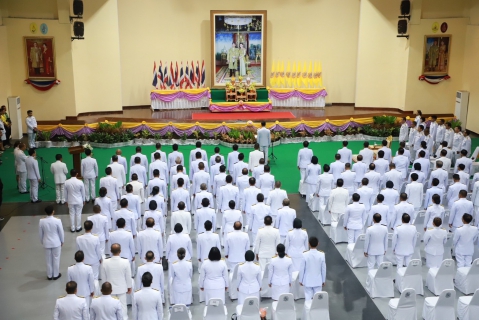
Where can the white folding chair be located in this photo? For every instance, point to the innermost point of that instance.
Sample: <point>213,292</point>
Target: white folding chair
<point>417,248</point>
<point>317,308</point>
<point>448,246</point>
<point>410,277</point>
<point>419,223</point>
<point>440,308</point>
<point>265,289</point>
<point>379,283</point>
<point>296,289</point>
<point>215,310</point>
<point>179,312</point>
<point>337,232</point>
<point>468,307</point>
<point>249,310</point>
<point>284,308</point>
<point>439,279</point>
<point>390,256</point>
<point>355,253</point>
<point>467,278</point>
<point>233,289</point>
<point>403,307</point>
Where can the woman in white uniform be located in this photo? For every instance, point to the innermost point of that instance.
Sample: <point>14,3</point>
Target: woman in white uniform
<point>280,273</point>
<point>249,278</point>
<point>180,280</point>
<point>296,243</point>
<point>214,276</point>
<point>313,170</point>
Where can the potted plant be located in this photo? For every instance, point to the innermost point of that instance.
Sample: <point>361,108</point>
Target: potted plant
<point>75,141</point>
<point>157,138</point>
<point>43,139</point>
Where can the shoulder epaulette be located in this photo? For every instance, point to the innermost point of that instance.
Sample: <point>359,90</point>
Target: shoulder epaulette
<point>137,290</point>
<point>95,297</point>
<point>155,289</point>
<point>430,228</point>
<point>175,262</point>
<point>321,251</point>
<point>274,256</point>
<point>190,260</point>
<point>81,297</point>
<point>61,297</point>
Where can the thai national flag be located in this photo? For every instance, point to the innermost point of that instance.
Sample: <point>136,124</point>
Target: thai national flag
<point>187,77</point>
<point>172,77</point>
<point>203,74</point>
<point>182,76</point>
<point>198,75</point>
<point>166,76</point>
<point>160,76</point>
<point>192,75</point>
<point>155,77</point>
<point>177,76</point>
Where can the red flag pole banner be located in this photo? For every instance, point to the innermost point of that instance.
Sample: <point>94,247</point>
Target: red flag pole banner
<point>43,85</point>
<point>434,79</point>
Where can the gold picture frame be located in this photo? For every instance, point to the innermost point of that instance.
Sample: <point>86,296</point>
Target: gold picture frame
<point>247,57</point>
<point>436,54</point>
<point>40,61</point>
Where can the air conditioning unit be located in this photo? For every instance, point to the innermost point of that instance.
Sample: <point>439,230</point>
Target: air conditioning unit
<point>462,102</point>
<point>15,113</point>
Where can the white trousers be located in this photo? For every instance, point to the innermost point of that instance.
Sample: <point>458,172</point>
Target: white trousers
<point>231,265</point>
<point>353,235</point>
<point>242,296</point>
<point>102,248</point>
<point>265,151</point>
<point>434,261</point>
<point>75,216</point>
<point>96,270</point>
<point>124,307</point>
<point>374,261</point>
<point>114,204</point>
<point>33,189</point>
<point>282,239</point>
<point>403,261</point>
<point>463,261</point>
<point>310,189</point>
<point>310,291</point>
<point>22,181</point>
<point>31,139</point>
<point>52,257</point>
<point>302,172</point>
<point>263,262</point>
<point>335,216</point>
<point>60,191</point>
<point>89,188</point>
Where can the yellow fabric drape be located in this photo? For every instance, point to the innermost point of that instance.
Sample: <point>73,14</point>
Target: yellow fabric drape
<point>302,90</point>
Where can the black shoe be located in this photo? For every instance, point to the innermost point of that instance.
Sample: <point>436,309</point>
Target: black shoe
<point>38,201</point>
<point>92,200</point>
<point>24,192</point>
<point>49,278</point>
<point>79,230</point>
<point>56,278</point>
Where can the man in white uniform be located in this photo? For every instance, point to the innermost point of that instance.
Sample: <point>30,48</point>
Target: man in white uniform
<point>250,196</point>
<point>232,159</point>
<point>121,160</point>
<point>182,217</point>
<point>416,143</point>
<point>89,172</point>
<point>312,271</point>
<point>431,192</point>
<point>118,172</point>
<point>434,240</point>
<point>33,175</point>
<point>100,227</point>
<point>374,178</point>
<point>139,170</point>
<point>203,214</point>
<point>59,171</point>
<point>174,155</point>
<point>236,244</point>
<point>52,238</point>
<point>161,166</point>
<point>360,168</point>
<point>111,185</point>
<point>125,239</point>
<point>242,182</point>
<point>325,185</point>
<point>258,170</point>
<point>143,159</point>
<point>453,191</point>
<point>376,242</point>
<point>105,306</point>
<point>217,154</point>
<point>402,163</point>
<point>194,165</point>
<point>266,181</point>
<point>32,130</point>
<point>206,240</point>
<point>338,201</point>
<point>304,158</point>
<point>394,176</point>
<point>349,178</point>
<point>465,161</point>
<point>215,169</point>
<point>238,168</point>
<point>180,194</point>
<point>366,194</point>
<point>387,151</point>
<point>284,222</point>
<point>134,204</point>
<point>150,239</point>
<point>200,177</point>
<point>82,274</point>
<point>156,270</point>
<point>147,302</point>
<point>440,174</point>
<point>258,212</point>
<point>90,245</point>
<point>265,242</point>
<point>475,200</point>
<point>127,215</point>
<point>20,167</point>
<point>227,193</point>
<point>193,153</point>
<point>404,130</point>
<point>71,306</point>
<point>381,164</point>
<point>354,219</point>
<point>424,162</point>
<point>402,207</point>
<point>218,181</point>
<point>75,200</point>
<point>254,157</point>
<point>163,156</point>
<point>176,241</point>
<point>117,272</point>
<point>464,240</point>
<point>458,209</point>
<point>415,192</point>
<point>264,139</point>
<point>346,154</point>
<point>337,167</point>
<point>367,154</point>
<point>275,200</point>
<point>404,241</point>
<point>180,174</point>
<point>156,181</point>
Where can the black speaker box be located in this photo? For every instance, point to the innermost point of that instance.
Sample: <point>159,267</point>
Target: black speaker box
<point>402,26</point>
<point>405,7</point>
<point>78,7</point>
<point>78,29</point>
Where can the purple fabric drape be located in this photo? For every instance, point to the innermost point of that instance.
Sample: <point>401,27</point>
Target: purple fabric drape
<point>180,95</point>
<point>294,93</point>
<point>60,131</point>
<point>241,107</point>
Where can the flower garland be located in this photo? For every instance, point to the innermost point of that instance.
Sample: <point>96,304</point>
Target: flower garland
<point>42,85</point>
<point>434,79</point>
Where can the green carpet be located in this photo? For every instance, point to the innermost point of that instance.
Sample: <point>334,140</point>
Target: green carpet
<point>284,169</point>
<point>219,95</point>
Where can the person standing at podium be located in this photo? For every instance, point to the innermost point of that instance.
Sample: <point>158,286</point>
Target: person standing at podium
<point>89,172</point>
<point>264,139</point>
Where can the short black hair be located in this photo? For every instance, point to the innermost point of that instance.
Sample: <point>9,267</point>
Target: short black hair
<point>313,242</point>
<point>88,225</point>
<point>467,218</point>
<point>146,279</point>
<point>87,152</point>
<point>389,184</point>
<point>124,203</point>
<point>406,218</point>
<point>215,254</point>
<point>49,210</point>
<point>58,156</point>
<point>297,223</point>
<point>71,287</point>
<point>260,197</point>
<point>356,197</point>
<point>178,228</point>
<point>377,217</point>
<point>208,225</point>
<point>120,223</point>
<point>79,256</point>
<point>340,182</point>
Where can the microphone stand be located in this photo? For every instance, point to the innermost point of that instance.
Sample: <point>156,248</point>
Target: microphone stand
<point>43,184</point>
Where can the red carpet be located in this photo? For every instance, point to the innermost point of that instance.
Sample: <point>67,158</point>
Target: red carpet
<point>243,116</point>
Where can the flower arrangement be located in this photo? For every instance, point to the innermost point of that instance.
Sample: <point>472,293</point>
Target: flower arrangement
<point>87,146</point>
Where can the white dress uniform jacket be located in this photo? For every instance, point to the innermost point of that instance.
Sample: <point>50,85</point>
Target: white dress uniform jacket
<point>150,240</point>
<point>134,204</point>
<point>111,185</point>
<point>201,177</point>
<point>284,221</point>
<point>236,245</point>
<point>399,209</point>
<point>360,168</point>
<point>202,215</point>
<point>254,157</point>
<point>156,270</point>
<point>227,193</point>
<point>336,168</point>
<point>346,155</point>
<point>433,211</point>
<point>218,182</point>
<point>374,180</point>
<point>181,274</point>
<point>434,240</point>
<point>404,240</point>
<point>90,245</point>
<point>249,280</point>
<point>266,183</point>
<point>204,156</point>
<point>349,179</point>
<point>156,215</point>
<point>275,200</point>
<point>140,172</point>
<point>129,216</point>
<point>313,268</point>
<point>441,175</point>
<point>368,155</point>
<point>429,193</point>
<point>232,159</point>
<point>402,164</point>
<point>403,132</point>
<point>258,212</point>
<point>176,241</point>
<point>163,157</point>
<point>453,193</point>
<point>89,168</point>
<point>182,217</point>
<point>325,184</point>
<point>304,157</point>
<point>337,202</point>
<point>467,162</point>
<point>415,193</point>
<point>464,240</point>
<point>458,209</point>
<point>213,159</point>
<point>162,167</point>
<point>257,172</point>
<point>382,165</point>
<point>296,243</point>
<point>117,271</point>
<point>395,177</point>
<point>105,308</point>
<point>383,210</point>
<point>172,158</point>
<point>32,168</point>
<point>265,244</point>
<point>118,172</point>
<point>100,226</point>
<point>376,240</point>
<point>82,274</point>
<point>280,272</point>
<point>206,240</point>
<point>387,153</point>
<point>143,162</point>
<point>147,304</point>
<point>229,218</point>
<point>178,195</point>
<point>71,307</point>
<point>161,184</point>
<point>125,240</point>
<point>391,198</point>
<point>59,171</point>
<point>194,167</point>
<point>366,196</point>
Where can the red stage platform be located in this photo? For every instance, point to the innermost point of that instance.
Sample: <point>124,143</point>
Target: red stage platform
<point>243,116</point>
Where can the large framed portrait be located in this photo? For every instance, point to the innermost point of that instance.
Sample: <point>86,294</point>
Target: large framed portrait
<point>437,50</point>
<point>40,57</point>
<point>238,46</point>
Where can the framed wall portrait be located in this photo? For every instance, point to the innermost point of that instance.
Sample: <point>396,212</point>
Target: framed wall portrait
<point>40,57</point>
<point>238,46</point>
<point>436,55</point>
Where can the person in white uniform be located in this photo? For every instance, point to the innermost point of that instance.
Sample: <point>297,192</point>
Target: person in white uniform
<point>338,200</point>
<point>163,156</point>
<point>214,280</point>
<point>75,200</point>
<point>121,160</point>
<point>156,270</point>
<point>463,176</point>
<point>421,177</point>
<point>337,167</point>
<point>311,175</point>
<point>404,130</point>
<point>181,273</point>
<point>354,218</point>
<point>391,197</point>
<point>105,307</point>
<point>175,241</point>
<point>156,181</point>
<point>117,271</point>
<point>416,143</point>
<point>206,240</point>
<point>217,154</point>
<point>404,241</point>
<point>349,179</point>
<point>138,169</point>
<point>296,243</point>
<point>157,216</point>
<point>194,165</point>
<point>280,273</point>
<point>367,154</point>
<point>402,163</point>
<point>59,171</point>
<point>324,186</point>
<point>214,170</point>
<point>242,182</point>
<point>424,162</point>
<point>89,172</point>
<point>434,189</point>
<point>360,168</point>
<point>182,217</point>
<point>143,159</point>
<point>415,192</point>
<point>90,245</point>
<point>206,213</point>
<point>52,238</point>
<point>346,154</point>
<point>366,194</point>
<point>232,159</point>
<point>127,215</point>
<point>380,208</point>
<point>236,244</point>
<point>125,239</point>
<point>21,168</point>
<point>118,171</point>
<point>434,240</point>
<point>250,196</point>
<point>275,199</point>
<point>376,242</point>
<point>264,139</point>
<point>381,164</point>
<point>200,177</point>
<point>71,306</point>
<point>33,175</point>
<point>374,178</point>
<point>386,150</point>
<point>230,216</point>
<point>440,174</point>
<point>402,207</point>
<point>193,153</point>
<point>254,157</point>
<point>134,204</point>
<point>304,159</point>
<point>266,241</point>
<point>227,193</point>
<point>150,240</point>
<point>449,134</point>
<point>180,194</point>
<point>147,302</point>
<point>259,169</point>
<point>466,142</point>
<point>100,227</point>
<point>161,166</point>
<point>111,186</point>
<point>105,206</point>
<point>32,130</point>
<point>394,176</point>
<point>464,240</point>
<point>239,167</point>
<point>249,278</point>
<point>312,272</point>
<point>458,209</point>
<point>284,222</point>
<point>219,181</point>
<point>435,210</point>
<point>453,191</point>
<point>258,212</point>
<point>266,181</point>
<point>175,154</point>
<point>467,162</point>
<point>82,274</point>
<point>475,200</point>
